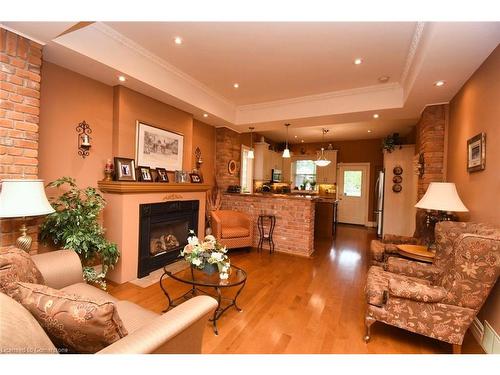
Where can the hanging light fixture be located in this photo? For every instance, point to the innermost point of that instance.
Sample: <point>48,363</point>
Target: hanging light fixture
<point>322,161</point>
<point>250,153</point>
<point>286,151</point>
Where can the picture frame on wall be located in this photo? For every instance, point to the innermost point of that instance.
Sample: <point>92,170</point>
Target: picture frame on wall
<point>158,148</point>
<point>162,175</point>
<point>124,169</point>
<point>476,153</point>
<point>145,174</point>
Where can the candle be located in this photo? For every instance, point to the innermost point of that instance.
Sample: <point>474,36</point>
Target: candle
<point>85,140</point>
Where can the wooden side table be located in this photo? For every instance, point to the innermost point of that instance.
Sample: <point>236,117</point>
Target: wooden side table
<point>416,252</point>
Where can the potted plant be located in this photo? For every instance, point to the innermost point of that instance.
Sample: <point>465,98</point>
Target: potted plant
<point>75,225</point>
<point>390,142</point>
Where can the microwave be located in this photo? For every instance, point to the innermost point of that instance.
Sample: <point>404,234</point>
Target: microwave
<point>276,175</point>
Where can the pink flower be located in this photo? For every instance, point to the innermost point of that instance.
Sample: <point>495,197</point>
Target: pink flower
<point>188,249</point>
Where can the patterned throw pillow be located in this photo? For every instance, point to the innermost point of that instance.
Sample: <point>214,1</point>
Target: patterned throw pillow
<point>17,265</point>
<point>76,323</point>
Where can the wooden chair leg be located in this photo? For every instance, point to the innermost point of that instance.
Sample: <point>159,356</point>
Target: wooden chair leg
<point>457,349</point>
<point>369,320</point>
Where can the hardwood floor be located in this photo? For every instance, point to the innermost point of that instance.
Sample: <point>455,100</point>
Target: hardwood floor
<point>299,305</point>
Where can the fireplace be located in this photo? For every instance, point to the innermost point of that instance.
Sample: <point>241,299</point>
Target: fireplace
<point>163,232</point>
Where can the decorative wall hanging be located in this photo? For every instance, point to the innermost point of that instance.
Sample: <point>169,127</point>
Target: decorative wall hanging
<point>421,165</point>
<point>198,159</point>
<point>397,170</point>
<point>157,147</point>
<point>231,167</point>
<point>397,179</point>
<point>84,132</point>
<point>397,188</point>
<point>476,153</point>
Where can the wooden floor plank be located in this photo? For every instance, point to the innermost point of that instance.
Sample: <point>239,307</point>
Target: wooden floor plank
<point>299,305</point>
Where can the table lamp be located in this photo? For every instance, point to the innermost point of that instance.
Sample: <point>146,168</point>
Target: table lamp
<point>443,198</point>
<point>22,198</point>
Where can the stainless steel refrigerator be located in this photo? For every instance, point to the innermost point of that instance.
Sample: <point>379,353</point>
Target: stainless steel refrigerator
<point>379,203</point>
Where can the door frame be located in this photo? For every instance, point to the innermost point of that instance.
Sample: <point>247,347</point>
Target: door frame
<point>366,185</point>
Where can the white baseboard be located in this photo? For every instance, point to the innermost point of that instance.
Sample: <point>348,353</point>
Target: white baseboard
<point>477,330</point>
<point>486,336</point>
<point>371,224</point>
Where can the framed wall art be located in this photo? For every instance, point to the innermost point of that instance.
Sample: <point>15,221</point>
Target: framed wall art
<point>124,169</point>
<point>476,153</point>
<point>157,147</point>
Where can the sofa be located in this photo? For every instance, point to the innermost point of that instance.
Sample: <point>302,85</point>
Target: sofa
<point>233,229</point>
<point>439,300</point>
<point>178,331</point>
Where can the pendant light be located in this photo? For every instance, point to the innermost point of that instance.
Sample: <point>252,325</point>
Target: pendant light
<point>322,160</point>
<point>286,151</point>
<point>250,153</point>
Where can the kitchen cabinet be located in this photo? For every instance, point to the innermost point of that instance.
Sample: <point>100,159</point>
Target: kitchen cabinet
<point>328,174</point>
<point>265,161</point>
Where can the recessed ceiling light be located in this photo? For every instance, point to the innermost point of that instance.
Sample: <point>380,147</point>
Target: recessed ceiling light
<point>178,40</point>
<point>376,115</point>
<point>236,85</point>
<point>439,83</point>
<point>302,141</point>
<point>369,131</point>
<point>296,137</point>
<point>358,61</point>
<point>383,79</point>
<point>121,78</point>
<point>205,115</point>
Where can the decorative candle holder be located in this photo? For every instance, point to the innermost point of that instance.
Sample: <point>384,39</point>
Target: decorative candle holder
<point>84,144</point>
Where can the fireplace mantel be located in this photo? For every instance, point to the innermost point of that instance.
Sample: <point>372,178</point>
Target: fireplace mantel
<point>126,187</point>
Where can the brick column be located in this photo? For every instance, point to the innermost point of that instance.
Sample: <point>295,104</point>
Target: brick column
<point>430,142</point>
<point>228,147</point>
<point>20,63</point>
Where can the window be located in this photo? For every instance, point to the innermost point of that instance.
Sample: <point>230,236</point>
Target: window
<point>305,174</point>
<point>246,171</point>
<point>352,183</point>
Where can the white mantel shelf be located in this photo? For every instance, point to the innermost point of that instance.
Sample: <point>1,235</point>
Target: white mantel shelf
<point>132,187</point>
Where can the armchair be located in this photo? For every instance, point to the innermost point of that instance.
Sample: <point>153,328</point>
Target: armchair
<point>439,300</point>
<point>232,228</point>
<point>178,331</point>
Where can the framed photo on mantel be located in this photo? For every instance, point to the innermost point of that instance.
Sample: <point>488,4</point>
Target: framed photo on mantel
<point>158,148</point>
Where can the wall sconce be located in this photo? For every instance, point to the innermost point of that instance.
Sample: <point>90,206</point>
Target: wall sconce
<point>197,154</point>
<point>84,145</point>
<point>421,165</point>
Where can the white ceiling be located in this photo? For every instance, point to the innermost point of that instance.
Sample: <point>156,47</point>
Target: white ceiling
<point>301,73</point>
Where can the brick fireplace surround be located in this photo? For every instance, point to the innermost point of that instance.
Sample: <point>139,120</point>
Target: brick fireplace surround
<point>20,63</point>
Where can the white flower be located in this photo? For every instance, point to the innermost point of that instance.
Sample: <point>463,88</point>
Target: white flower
<point>210,238</point>
<point>196,261</point>
<point>218,257</point>
<point>224,269</point>
<point>193,240</point>
<point>223,275</point>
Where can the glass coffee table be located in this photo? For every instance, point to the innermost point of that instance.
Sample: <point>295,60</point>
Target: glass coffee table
<point>200,281</point>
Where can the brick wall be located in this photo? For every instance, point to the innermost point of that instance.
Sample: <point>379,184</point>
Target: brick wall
<point>20,63</point>
<point>430,141</point>
<point>294,231</point>
<point>228,147</point>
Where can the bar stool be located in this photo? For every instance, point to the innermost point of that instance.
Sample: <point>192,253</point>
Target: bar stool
<point>262,231</point>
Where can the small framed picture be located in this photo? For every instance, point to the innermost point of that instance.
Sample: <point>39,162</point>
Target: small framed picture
<point>195,178</point>
<point>476,153</point>
<point>145,174</point>
<point>162,175</point>
<point>125,169</point>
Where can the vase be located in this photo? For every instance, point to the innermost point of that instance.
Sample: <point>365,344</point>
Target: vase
<point>209,268</point>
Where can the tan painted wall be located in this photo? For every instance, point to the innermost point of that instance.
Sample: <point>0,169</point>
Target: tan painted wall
<point>68,98</point>
<point>473,110</point>
<point>131,106</point>
<point>363,151</point>
<point>204,138</point>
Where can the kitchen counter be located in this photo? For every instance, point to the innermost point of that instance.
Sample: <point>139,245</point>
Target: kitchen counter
<point>310,197</point>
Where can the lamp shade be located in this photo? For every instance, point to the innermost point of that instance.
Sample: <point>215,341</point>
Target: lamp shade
<point>250,154</point>
<point>442,196</point>
<point>23,198</point>
<point>286,153</point>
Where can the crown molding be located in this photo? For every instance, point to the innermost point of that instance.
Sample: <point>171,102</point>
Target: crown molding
<point>414,45</point>
<point>130,44</point>
<point>22,34</point>
<point>322,96</point>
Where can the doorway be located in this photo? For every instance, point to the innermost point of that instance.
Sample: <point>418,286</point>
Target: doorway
<point>352,193</point>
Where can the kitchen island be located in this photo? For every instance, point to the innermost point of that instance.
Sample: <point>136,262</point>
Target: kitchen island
<point>294,231</point>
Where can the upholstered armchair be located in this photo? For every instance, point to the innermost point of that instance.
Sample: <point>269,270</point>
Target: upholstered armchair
<point>232,228</point>
<point>439,300</point>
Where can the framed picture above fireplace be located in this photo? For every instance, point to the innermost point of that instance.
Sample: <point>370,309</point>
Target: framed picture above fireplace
<point>157,147</point>
<point>124,169</point>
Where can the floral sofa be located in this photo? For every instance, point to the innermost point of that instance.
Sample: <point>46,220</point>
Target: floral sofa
<point>442,299</point>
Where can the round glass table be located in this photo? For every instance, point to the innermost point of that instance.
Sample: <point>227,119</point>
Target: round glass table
<point>200,280</point>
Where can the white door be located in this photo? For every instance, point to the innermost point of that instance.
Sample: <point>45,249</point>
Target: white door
<point>352,192</point>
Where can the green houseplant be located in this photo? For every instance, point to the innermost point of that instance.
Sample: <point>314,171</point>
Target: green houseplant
<point>75,225</point>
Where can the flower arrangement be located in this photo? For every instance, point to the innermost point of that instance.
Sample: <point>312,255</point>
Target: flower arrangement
<point>209,252</point>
